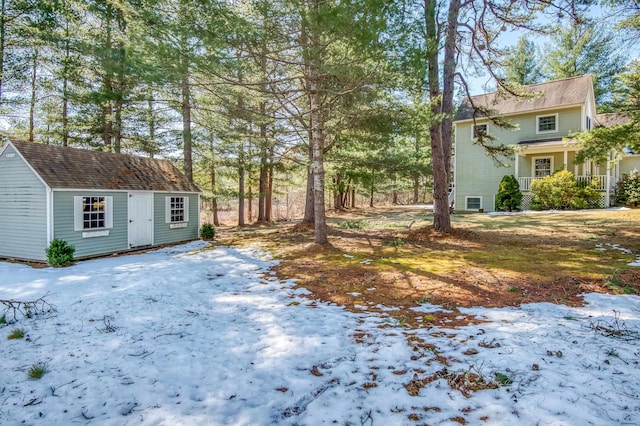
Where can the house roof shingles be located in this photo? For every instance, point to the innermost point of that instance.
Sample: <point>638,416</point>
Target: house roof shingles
<point>553,94</point>
<point>72,168</point>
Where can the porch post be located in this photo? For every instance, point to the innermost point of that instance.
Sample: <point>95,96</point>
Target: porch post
<point>517,162</point>
<point>607,197</point>
<point>566,160</point>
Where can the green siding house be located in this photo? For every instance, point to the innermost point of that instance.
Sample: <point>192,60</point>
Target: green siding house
<point>541,137</point>
<point>99,202</point>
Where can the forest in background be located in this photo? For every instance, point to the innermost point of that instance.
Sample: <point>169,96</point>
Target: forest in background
<point>253,99</point>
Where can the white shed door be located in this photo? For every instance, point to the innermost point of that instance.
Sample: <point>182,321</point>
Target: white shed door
<point>140,219</point>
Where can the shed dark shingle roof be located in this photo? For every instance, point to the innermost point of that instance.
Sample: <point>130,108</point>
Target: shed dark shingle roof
<point>553,94</point>
<point>72,168</point>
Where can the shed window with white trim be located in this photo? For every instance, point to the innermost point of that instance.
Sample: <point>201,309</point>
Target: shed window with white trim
<point>472,203</point>
<point>547,123</point>
<point>176,209</point>
<point>92,213</point>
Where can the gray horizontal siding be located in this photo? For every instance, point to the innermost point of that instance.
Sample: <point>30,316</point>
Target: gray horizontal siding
<point>63,228</point>
<point>163,233</point>
<point>23,210</point>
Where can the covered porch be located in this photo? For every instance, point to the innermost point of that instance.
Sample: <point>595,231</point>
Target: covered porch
<point>535,160</point>
<point>599,181</point>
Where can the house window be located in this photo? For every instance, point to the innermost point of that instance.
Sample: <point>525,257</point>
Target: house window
<point>547,123</point>
<point>480,129</point>
<point>472,203</point>
<point>176,209</point>
<point>92,213</point>
<point>588,123</point>
<point>542,166</point>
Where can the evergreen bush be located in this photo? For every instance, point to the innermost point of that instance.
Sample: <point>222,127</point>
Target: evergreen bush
<point>207,231</point>
<point>60,253</point>
<point>561,191</point>
<point>509,196</point>
<point>628,189</point>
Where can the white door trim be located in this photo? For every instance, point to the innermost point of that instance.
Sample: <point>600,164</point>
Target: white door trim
<point>140,218</point>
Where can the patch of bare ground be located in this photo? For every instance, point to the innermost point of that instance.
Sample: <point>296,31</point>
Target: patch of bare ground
<point>484,261</point>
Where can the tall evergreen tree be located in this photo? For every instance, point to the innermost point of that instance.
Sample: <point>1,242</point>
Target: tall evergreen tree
<point>582,47</point>
<point>522,63</point>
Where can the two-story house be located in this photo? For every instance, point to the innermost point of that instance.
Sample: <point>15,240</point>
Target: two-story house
<point>543,124</point>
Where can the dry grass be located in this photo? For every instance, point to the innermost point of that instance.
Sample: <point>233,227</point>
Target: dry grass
<point>395,260</point>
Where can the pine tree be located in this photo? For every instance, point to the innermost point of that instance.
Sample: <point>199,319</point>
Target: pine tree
<point>521,63</point>
<point>509,196</point>
<point>584,48</point>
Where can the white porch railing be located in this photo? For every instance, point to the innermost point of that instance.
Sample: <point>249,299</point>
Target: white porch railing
<point>452,195</point>
<point>600,180</point>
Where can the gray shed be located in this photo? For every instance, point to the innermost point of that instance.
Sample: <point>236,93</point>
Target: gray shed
<point>99,202</point>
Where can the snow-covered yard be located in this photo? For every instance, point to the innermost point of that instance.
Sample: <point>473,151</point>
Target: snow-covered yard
<point>191,335</point>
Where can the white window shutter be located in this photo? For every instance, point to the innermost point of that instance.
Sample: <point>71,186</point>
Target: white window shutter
<point>167,209</point>
<point>108,211</point>
<point>186,209</point>
<point>78,223</point>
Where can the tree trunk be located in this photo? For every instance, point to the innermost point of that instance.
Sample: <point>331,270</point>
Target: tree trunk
<point>372,189</point>
<point>212,175</point>
<point>107,131</point>
<point>336,192</point>
<point>250,201</point>
<point>263,175</point>
<point>65,111</point>
<point>416,174</point>
<point>107,108</point>
<point>264,143</point>
<point>317,147</point>
<point>117,136</point>
<point>32,103</point>
<point>150,146</point>
<point>441,106</point>
<point>186,124</point>
<point>269,194</point>
<point>121,84</point>
<point>65,81</point>
<point>320,222</point>
<point>214,200</point>
<point>309,216</point>
<point>241,174</point>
